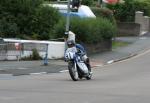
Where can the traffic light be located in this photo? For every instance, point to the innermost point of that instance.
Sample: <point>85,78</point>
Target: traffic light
<point>75,3</point>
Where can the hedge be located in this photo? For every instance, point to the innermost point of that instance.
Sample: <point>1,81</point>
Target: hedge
<point>88,30</point>
<point>27,19</point>
<point>126,12</point>
<point>104,13</point>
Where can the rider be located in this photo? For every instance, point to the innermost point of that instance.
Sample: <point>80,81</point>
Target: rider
<point>79,49</point>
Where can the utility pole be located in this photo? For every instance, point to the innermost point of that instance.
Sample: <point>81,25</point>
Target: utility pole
<point>100,3</point>
<point>67,23</point>
<point>68,18</point>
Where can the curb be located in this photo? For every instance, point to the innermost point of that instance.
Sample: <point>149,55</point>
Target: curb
<point>121,59</point>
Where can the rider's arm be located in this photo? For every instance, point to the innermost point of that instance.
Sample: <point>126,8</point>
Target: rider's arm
<point>80,49</point>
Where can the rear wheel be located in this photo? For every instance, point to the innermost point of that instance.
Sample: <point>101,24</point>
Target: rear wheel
<point>73,71</point>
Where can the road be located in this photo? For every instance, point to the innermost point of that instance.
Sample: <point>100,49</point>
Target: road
<point>122,82</point>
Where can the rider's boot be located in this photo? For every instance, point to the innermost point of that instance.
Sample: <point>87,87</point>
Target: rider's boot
<point>88,65</point>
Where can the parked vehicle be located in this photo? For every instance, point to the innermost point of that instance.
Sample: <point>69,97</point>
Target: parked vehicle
<point>76,66</point>
<point>83,11</point>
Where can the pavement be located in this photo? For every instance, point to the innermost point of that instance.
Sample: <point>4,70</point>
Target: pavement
<point>136,46</point>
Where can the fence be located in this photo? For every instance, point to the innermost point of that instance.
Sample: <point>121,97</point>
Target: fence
<point>8,50</point>
<point>15,51</point>
<point>2,51</point>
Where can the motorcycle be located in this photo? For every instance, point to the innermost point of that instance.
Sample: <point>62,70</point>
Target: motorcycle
<point>77,67</point>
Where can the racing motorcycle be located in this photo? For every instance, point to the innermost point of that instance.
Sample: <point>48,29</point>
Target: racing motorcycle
<point>77,67</point>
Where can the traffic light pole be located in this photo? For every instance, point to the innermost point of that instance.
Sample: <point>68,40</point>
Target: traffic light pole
<point>100,3</point>
<point>67,23</point>
<point>68,18</point>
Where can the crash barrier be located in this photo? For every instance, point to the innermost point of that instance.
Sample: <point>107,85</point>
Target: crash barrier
<point>51,49</point>
<point>2,51</point>
<point>8,51</point>
<point>16,51</point>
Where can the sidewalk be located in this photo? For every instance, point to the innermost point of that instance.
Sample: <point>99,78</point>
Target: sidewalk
<point>136,46</point>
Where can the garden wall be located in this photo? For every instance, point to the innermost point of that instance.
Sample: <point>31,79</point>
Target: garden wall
<point>128,29</point>
<point>99,47</point>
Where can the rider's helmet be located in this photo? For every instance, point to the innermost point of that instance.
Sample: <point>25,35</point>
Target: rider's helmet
<point>70,43</point>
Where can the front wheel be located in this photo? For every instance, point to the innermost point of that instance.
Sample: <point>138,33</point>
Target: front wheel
<point>73,71</point>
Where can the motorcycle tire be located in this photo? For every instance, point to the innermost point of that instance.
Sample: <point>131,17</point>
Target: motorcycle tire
<point>72,71</point>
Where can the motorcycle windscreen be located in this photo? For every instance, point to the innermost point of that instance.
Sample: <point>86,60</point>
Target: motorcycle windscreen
<point>83,67</point>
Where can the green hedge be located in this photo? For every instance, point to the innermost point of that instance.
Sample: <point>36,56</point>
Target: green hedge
<point>88,31</point>
<point>143,5</point>
<point>27,19</point>
<point>126,12</point>
<point>104,13</point>
<point>87,2</point>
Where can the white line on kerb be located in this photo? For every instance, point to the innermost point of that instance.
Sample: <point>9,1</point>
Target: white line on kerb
<point>111,61</point>
<point>38,73</point>
<point>63,71</point>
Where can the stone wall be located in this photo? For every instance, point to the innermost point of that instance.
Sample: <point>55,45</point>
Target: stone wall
<point>99,47</point>
<point>128,29</point>
<point>144,21</point>
<point>139,27</point>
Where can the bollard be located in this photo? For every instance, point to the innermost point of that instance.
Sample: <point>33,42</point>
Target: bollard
<point>46,56</point>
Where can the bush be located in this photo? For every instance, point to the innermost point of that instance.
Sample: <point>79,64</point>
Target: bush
<point>103,13</point>
<point>87,2</point>
<point>34,56</point>
<point>126,12</point>
<point>89,31</point>
<point>25,18</point>
<point>43,22</point>
<point>142,5</point>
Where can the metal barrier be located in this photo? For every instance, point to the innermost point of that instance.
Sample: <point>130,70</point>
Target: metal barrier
<point>30,46</point>
<point>8,50</point>
<point>3,51</point>
<point>14,51</point>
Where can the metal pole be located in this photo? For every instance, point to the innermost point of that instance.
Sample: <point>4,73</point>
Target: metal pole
<point>98,2</point>
<point>101,1</point>
<point>67,23</point>
<point>68,18</point>
<point>46,56</point>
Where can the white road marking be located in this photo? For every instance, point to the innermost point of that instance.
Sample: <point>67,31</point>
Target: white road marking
<point>111,61</point>
<point>38,73</point>
<point>63,71</point>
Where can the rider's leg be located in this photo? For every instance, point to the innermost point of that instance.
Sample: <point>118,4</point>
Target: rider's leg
<point>88,64</point>
<point>87,61</point>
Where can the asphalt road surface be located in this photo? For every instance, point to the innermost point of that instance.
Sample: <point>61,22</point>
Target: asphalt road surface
<point>121,82</point>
